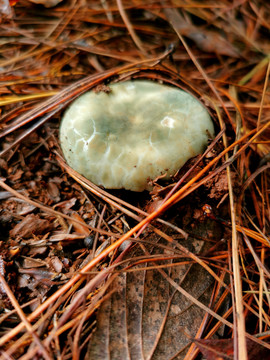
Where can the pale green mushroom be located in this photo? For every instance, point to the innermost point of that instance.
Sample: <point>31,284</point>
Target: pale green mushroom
<point>134,133</point>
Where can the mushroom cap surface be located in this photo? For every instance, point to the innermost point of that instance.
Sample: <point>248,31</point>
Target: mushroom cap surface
<point>136,132</point>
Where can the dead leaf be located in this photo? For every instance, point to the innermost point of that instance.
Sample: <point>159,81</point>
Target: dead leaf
<point>210,41</point>
<point>145,318</point>
<point>33,263</point>
<point>30,225</point>
<point>66,237</point>
<point>67,204</point>
<point>222,349</point>
<point>16,176</point>
<point>53,191</point>
<point>79,228</point>
<point>57,264</point>
<point>207,41</point>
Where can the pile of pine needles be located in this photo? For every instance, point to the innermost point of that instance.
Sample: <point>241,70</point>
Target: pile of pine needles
<point>68,246</point>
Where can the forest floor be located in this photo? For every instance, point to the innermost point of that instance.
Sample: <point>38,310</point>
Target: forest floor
<point>179,272</point>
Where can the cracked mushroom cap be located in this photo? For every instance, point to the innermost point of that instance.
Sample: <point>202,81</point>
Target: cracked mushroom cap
<point>136,132</point>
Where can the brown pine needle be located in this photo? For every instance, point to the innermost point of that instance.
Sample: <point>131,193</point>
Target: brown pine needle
<point>129,26</point>
<point>263,94</point>
<point>25,322</point>
<point>220,54</point>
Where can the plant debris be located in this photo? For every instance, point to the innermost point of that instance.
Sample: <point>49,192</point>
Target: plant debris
<point>90,273</point>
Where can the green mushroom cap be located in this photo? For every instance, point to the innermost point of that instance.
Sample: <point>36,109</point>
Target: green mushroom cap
<point>136,132</point>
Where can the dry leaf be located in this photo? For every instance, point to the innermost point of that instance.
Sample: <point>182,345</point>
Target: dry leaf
<point>223,349</point>
<point>30,225</point>
<point>145,318</point>
<point>79,228</point>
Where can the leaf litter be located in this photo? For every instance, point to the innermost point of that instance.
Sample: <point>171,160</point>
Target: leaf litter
<point>87,273</point>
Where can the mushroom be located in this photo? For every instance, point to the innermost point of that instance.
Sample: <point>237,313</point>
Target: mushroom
<point>137,131</point>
